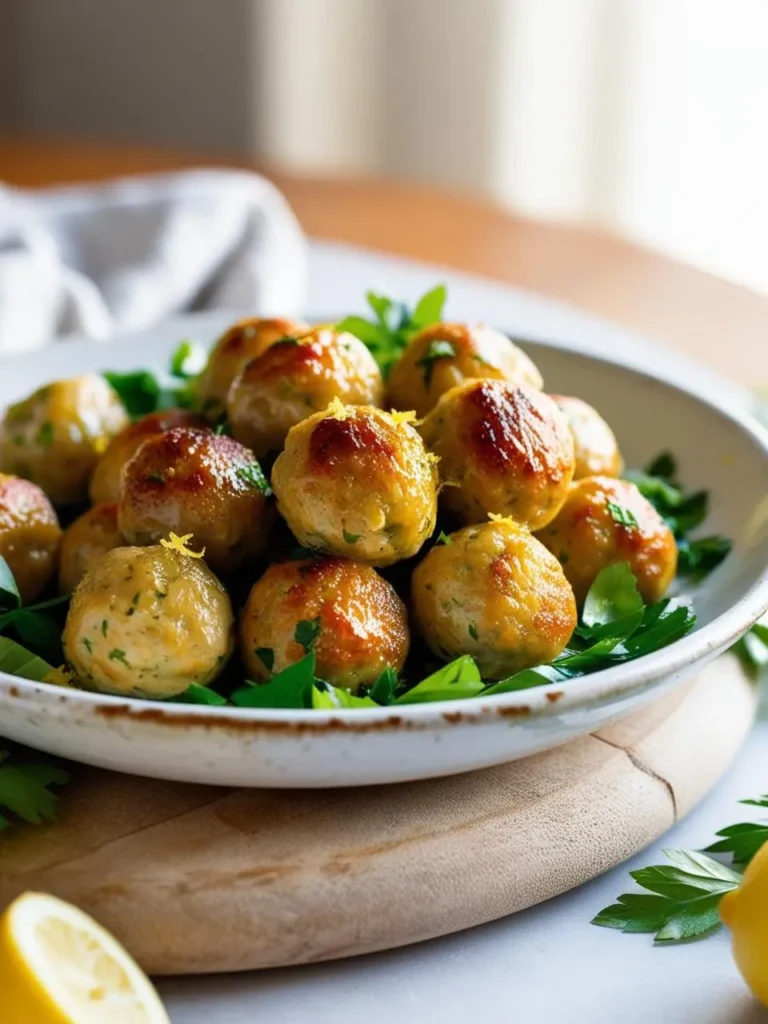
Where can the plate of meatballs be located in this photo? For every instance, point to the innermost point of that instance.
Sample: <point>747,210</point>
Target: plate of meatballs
<point>369,551</point>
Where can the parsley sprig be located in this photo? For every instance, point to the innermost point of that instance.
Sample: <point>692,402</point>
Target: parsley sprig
<point>393,323</point>
<point>143,392</point>
<point>682,898</point>
<point>26,790</point>
<point>683,512</point>
<point>37,626</point>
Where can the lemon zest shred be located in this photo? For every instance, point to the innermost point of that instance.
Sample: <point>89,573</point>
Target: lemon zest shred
<point>61,676</point>
<point>338,410</point>
<point>404,417</point>
<point>180,544</point>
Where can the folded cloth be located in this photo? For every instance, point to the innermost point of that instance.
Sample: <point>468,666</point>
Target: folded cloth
<point>97,259</point>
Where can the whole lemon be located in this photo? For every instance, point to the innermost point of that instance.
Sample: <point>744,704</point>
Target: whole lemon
<point>745,912</point>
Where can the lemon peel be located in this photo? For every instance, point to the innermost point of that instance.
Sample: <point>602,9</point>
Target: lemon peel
<point>61,676</point>
<point>338,410</point>
<point>404,417</point>
<point>180,544</point>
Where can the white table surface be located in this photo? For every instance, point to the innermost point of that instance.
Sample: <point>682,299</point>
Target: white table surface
<point>547,964</point>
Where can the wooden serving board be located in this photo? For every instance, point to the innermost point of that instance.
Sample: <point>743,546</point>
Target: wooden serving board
<point>198,879</point>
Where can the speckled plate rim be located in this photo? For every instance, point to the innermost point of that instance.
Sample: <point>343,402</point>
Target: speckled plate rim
<point>583,692</point>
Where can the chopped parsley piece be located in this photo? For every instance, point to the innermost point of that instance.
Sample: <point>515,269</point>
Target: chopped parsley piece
<point>443,538</point>
<point>160,595</point>
<point>351,538</point>
<point>117,655</point>
<point>87,644</point>
<point>307,632</point>
<point>473,631</point>
<point>104,625</point>
<point>253,476</point>
<point>436,350</point>
<point>155,478</point>
<point>622,515</point>
<point>45,434</point>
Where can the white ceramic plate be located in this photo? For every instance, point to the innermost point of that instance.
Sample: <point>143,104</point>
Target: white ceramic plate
<point>718,450</point>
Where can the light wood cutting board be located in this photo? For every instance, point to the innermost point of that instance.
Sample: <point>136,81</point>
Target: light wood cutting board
<point>197,879</point>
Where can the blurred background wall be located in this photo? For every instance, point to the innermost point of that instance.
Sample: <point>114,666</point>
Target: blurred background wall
<point>644,116</point>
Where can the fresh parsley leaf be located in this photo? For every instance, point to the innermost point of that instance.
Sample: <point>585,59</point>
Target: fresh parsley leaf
<point>291,688</point>
<point>139,391</point>
<point>197,694</point>
<point>429,309</point>
<point>9,591</point>
<point>351,538</point>
<point>436,350</point>
<point>622,516</point>
<point>697,557</point>
<point>18,661</point>
<point>327,697</point>
<point>117,655</point>
<point>394,324</point>
<point>686,894</point>
<point>266,656</point>
<point>741,841</point>
<point>456,680</point>
<point>612,597</point>
<point>188,360</point>
<point>307,632</point>
<point>384,689</point>
<point>443,538</point>
<point>253,476</point>
<point>526,680</point>
<point>752,649</point>
<point>25,790</point>
<point>663,465</point>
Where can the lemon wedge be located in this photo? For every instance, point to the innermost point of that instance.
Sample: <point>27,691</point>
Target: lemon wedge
<point>745,913</point>
<point>57,966</point>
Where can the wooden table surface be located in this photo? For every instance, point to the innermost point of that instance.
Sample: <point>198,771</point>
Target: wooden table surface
<point>692,311</point>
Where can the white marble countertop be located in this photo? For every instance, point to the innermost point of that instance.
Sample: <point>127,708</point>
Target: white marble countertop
<point>547,964</point>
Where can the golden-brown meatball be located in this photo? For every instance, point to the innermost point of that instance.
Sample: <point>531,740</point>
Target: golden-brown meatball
<point>192,481</point>
<point>357,481</point>
<point>55,436</point>
<point>105,482</point>
<point>29,535</point>
<point>445,354</point>
<point>242,342</point>
<point>296,378</point>
<point>147,622</point>
<point>86,541</point>
<point>360,622</point>
<point>595,447</point>
<point>605,521</point>
<point>504,449</point>
<point>496,593</point>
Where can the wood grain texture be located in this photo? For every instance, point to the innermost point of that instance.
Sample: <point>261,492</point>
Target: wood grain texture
<point>195,879</point>
<point>713,320</point>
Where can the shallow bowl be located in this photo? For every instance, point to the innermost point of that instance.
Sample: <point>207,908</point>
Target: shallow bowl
<point>717,449</point>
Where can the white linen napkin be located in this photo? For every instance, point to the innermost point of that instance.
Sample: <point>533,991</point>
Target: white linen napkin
<point>96,259</point>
